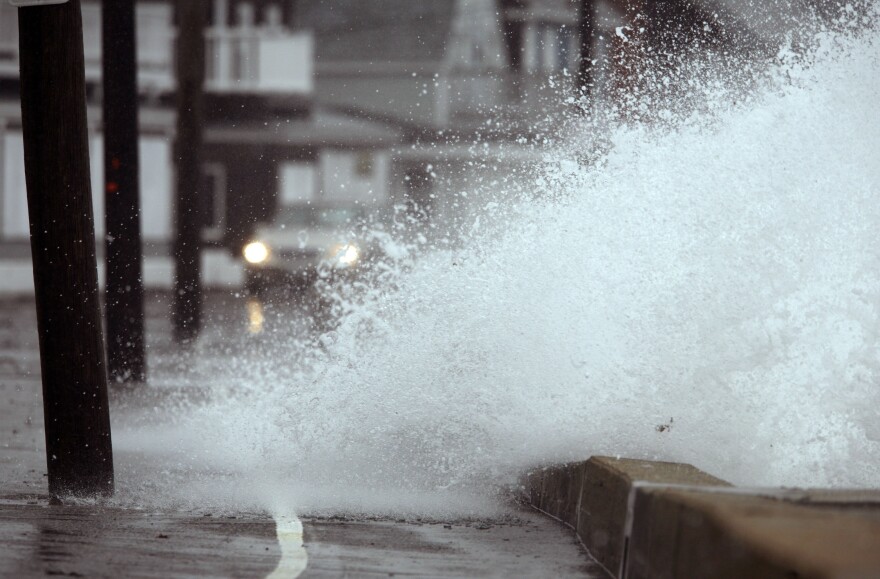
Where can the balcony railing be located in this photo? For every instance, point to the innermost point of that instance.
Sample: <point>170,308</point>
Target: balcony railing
<point>258,60</point>
<point>240,60</point>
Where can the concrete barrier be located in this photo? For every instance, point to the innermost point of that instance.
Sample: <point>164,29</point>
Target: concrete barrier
<point>657,520</point>
<point>753,533</point>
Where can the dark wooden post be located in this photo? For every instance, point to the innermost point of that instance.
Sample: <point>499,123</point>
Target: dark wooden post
<point>191,18</point>
<point>56,155</point>
<point>586,31</point>
<point>124,296</point>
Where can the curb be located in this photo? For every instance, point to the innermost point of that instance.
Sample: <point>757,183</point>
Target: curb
<point>645,519</point>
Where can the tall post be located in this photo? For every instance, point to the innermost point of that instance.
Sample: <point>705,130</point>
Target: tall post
<point>124,296</point>
<point>191,18</point>
<point>586,31</point>
<point>56,156</point>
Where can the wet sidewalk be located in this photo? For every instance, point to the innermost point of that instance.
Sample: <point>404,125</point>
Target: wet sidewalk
<point>40,539</point>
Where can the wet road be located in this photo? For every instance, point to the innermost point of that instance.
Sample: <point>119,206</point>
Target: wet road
<point>38,539</point>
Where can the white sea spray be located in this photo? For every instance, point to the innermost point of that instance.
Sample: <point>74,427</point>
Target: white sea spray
<point>704,289</point>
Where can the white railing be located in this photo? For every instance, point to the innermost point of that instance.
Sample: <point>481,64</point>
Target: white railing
<point>238,60</point>
<point>258,60</point>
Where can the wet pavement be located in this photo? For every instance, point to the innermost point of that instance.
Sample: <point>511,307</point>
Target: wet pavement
<point>40,539</point>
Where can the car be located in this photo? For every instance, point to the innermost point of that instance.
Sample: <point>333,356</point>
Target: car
<point>303,242</point>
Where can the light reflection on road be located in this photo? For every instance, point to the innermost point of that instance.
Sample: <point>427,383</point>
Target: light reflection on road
<point>255,316</point>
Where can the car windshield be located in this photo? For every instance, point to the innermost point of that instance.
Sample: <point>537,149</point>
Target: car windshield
<point>320,217</point>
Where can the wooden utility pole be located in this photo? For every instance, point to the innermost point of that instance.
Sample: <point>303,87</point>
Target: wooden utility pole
<point>187,309</point>
<point>124,295</point>
<point>586,31</point>
<point>56,155</point>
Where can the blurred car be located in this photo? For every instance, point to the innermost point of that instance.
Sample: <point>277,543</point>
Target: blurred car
<point>300,243</point>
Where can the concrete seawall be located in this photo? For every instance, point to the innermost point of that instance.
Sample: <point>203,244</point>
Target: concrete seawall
<point>656,520</point>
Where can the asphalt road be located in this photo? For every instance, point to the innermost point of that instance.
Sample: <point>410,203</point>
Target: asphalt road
<point>96,540</point>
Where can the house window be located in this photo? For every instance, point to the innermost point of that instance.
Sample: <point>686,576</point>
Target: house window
<point>364,165</point>
<point>564,48</point>
<point>353,176</point>
<point>477,56</point>
<point>273,17</point>
<point>245,15</point>
<point>418,193</point>
<point>297,182</point>
<point>546,47</point>
<point>513,33</point>
<point>213,201</point>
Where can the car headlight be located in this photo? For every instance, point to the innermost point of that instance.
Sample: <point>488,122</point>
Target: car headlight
<point>256,252</point>
<point>345,255</point>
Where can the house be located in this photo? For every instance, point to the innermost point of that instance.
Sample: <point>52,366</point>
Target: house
<point>309,101</point>
<point>267,144</point>
<point>264,141</point>
<point>446,74</point>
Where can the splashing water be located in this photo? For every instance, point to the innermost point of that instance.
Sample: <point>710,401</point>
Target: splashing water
<point>707,291</point>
